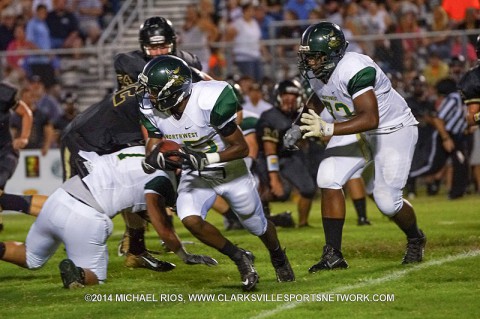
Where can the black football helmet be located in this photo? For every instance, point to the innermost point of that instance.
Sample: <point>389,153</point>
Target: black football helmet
<point>157,31</point>
<point>288,87</point>
<point>166,81</point>
<point>322,46</point>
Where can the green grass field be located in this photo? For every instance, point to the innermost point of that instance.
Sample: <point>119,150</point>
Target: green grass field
<point>445,285</point>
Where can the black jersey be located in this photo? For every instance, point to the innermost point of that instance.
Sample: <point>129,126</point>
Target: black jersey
<point>469,86</point>
<point>272,126</point>
<point>109,125</point>
<point>129,65</point>
<point>8,102</point>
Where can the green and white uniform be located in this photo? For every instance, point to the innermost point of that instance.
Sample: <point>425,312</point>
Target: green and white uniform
<point>78,214</point>
<point>211,105</point>
<point>392,144</point>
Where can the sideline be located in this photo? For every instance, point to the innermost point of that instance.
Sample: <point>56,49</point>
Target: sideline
<point>375,281</point>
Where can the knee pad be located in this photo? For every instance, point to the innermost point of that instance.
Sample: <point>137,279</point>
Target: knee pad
<point>389,204</point>
<point>34,263</point>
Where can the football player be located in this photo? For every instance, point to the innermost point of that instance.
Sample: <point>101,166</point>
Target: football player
<point>9,147</point>
<point>156,37</point>
<point>470,89</point>
<point>360,98</point>
<point>201,117</point>
<point>280,168</point>
<point>78,214</point>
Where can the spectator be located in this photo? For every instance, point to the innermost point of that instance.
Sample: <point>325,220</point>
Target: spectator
<point>289,32</point>
<point>19,63</point>
<point>37,32</point>
<point>353,26</point>
<point>247,49</point>
<point>264,20</point>
<point>198,31</point>
<point>63,26</point>
<point>48,98</point>
<point>435,70</point>
<point>42,133</point>
<point>470,22</point>
<point>7,25</point>
<point>47,3</point>
<point>88,14</point>
<point>333,11</point>
<point>441,43</point>
<point>302,8</point>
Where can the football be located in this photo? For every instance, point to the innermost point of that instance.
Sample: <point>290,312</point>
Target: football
<point>169,145</point>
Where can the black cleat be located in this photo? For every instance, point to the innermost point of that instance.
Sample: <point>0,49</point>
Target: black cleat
<point>363,221</point>
<point>415,249</point>
<point>72,276</point>
<point>146,260</point>
<point>331,259</point>
<point>283,270</point>
<point>248,274</point>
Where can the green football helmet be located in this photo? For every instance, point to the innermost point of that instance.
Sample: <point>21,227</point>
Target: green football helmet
<point>321,48</point>
<point>166,81</point>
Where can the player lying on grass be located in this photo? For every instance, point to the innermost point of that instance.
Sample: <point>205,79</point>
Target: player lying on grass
<point>78,214</point>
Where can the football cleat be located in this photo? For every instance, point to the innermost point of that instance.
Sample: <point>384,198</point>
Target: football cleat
<point>72,276</point>
<point>415,249</point>
<point>146,260</point>
<point>331,259</point>
<point>362,221</point>
<point>248,274</point>
<point>283,269</point>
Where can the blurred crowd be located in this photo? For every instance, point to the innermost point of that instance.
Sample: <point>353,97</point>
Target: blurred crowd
<point>248,26</point>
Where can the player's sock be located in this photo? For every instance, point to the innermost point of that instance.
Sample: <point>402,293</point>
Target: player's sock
<point>413,231</point>
<point>231,250</point>
<point>137,241</point>
<point>361,207</point>
<point>18,203</point>
<point>333,229</point>
<point>2,249</point>
<point>278,256</point>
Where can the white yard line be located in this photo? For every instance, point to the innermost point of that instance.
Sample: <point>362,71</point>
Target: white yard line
<point>375,281</point>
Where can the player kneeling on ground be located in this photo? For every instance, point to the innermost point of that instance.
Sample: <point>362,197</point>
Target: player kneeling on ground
<point>78,214</point>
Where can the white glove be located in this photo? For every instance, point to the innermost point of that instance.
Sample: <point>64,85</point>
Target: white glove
<point>316,126</point>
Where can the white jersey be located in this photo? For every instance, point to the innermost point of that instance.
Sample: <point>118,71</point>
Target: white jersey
<point>118,182</point>
<point>354,75</point>
<point>212,104</point>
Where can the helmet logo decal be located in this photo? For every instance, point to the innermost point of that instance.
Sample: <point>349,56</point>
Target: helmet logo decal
<point>333,41</point>
<point>157,38</point>
<point>173,79</point>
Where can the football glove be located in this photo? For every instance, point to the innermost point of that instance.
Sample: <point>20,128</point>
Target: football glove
<point>315,125</point>
<point>192,259</point>
<point>291,137</point>
<point>147,168</point>
<point>195,160</point>
<point>159,160</point>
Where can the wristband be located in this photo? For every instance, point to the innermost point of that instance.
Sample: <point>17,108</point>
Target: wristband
<point>476,117</point>
<point>328,129</point>
<point>212,158</point>
<point>272,163</point>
